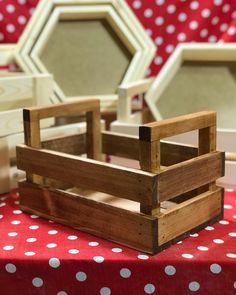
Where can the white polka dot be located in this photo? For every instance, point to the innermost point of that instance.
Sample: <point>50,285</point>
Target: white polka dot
<point>8,247</point>
<point>223,27</point>
<point>158,60</point>
<point>149,289</point>
<point>143,257</point>
<point>137,4</point>
<point>170,29</point>
<point>62,293</point>
<point>160,2</point>
<point>10,8</point>
<point>212,39</point>
<point>98,259</point>
<point>125,273</point>
<point>52,232</point>
<point>205,13</point>
<point>235,285</point>
<point>37,282</point>
<point>34,216</point>
<point>51,245</point>
<point>73,251</point>
<point>218,241</point>
<point>159,40</point>
<point>22,2</point>
<point>228,206</point>
<point>170,270</point>
<point>81,276</point>
<point>234,216</point>
<point>233,15</point>
<point>33,227</point>
<point>193,25</point>
<point>10,28</point>
<point>148,32</point>
<point>181,37</point>
<point>224,222</point>
<point>159,21</point>
<point>51,221</point>
<point>217,2</point>
<point>194,235</point>
<point>202,248</point>
<point>29,253</point>
<point>189,256</point>
<point>194,5</point>
<point>194,286</point>
<point>1,216</point>
<point>215,268</point>
<point>182,17</point>
<point>231,31</point>
<point>1,16</point>
<point>179,242</point>
<point>231,255</point>
<point>22,19</point>
<point>15,222</point>
<point>11,268</point>
<point>116,250</point>
<point>148,12</point>
<point>17,211</point>
<point>12,234</point>
<point>72,238</point>
<point>171,8</point>
<point>215,20</point>
<point>169,48</point>
<point>31,240</point>
<point>54,262</point>
<point>226,8</point>
<point>93,244</point>
<point>209,228</point>
<point>233,234</point>
<point>2,204</point>
<point>105,291</point>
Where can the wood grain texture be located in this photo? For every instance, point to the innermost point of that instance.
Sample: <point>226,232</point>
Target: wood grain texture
<point>188,175</point>
<point>170,127</point>
<point>188,215</point>
<point>123,182</point>
<point>91,216</point>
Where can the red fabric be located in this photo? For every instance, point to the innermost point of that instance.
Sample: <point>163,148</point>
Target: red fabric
<point>35,252</point>
<point>168,22</point>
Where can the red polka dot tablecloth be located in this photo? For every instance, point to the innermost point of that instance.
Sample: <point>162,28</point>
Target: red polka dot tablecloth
<point>38,256</point>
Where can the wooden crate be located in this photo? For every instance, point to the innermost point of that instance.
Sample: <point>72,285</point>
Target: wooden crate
<point>173,193</point>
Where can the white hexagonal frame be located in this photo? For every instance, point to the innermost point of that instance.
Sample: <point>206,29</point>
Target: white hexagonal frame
<point>120,18</point>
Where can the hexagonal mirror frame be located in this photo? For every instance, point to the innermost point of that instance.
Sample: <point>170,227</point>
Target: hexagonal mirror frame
<point>214,66</point>
<point>120,19</point>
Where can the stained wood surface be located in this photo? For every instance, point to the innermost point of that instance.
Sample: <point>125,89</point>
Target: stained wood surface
<point>170,127</point>
<point>188,175</point>
<point>125,227</point>
<point>188,215</point>
<point>124,182</point>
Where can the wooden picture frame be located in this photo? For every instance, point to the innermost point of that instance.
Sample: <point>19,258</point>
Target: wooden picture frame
<point>120,18</point>
<point>18,90</point>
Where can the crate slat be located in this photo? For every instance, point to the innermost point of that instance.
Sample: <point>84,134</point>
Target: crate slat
<point>124,182</point>
<point>188,175</point>
<point>189,215</point>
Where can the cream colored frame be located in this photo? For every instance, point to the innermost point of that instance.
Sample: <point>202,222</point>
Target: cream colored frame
<point>144,46</point>
<point>14,91</point>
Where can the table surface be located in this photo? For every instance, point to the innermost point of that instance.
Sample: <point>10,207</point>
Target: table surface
<point>38,256</point>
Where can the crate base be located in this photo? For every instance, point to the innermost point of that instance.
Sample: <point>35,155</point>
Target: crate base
<point>102,219</point>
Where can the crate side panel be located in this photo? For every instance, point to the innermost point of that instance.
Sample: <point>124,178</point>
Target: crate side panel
<point>188,215</point>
